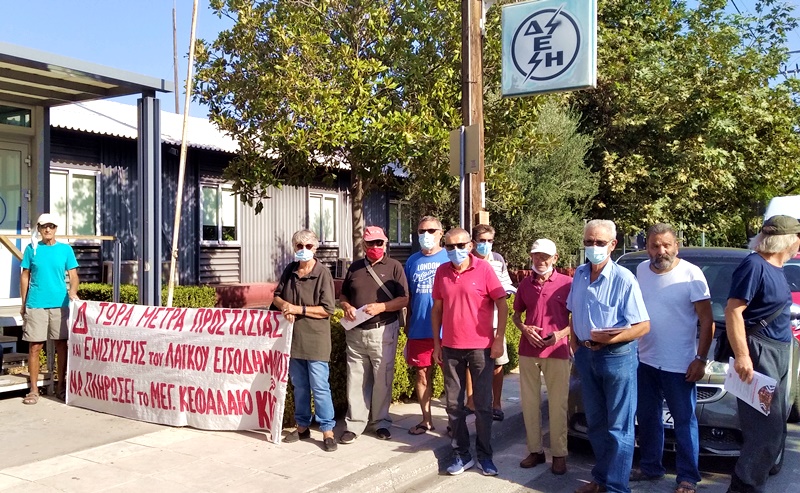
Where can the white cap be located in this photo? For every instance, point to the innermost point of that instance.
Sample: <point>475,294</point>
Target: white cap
<point>47,218</point>
<point>544,245</point>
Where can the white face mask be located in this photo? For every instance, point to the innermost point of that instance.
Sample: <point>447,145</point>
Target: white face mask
<point>596,254</point>
<point>544,272</point>
<point>427,241</point>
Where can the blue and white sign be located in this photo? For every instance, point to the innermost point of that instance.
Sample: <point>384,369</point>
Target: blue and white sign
<point>549,46</point>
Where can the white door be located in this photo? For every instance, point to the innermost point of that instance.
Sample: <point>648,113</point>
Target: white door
<point>14,211</point>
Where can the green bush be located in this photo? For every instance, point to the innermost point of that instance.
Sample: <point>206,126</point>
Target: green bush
<point>512,339</point>
<point>183,296</point>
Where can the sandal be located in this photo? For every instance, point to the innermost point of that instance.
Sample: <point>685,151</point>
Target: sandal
<point>420,429</point>
<point>498,415</point>
<point>31,399</point>
<point>686,487</point>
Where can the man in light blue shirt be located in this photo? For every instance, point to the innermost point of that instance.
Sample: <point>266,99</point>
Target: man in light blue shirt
<point>605,296</point>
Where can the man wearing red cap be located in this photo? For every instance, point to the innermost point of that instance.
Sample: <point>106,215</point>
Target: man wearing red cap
<point>377,286</point>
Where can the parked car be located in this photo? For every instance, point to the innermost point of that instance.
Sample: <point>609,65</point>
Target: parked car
<point>720,433</point>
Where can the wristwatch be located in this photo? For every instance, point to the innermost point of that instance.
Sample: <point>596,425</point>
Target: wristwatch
<point>700,358</point>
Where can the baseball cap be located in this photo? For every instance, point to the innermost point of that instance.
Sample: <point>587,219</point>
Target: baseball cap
<point>781,225</point>
<point>544,245</point>
<point>47,218</point>
<point>372,233</point>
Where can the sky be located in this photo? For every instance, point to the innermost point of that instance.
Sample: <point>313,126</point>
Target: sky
<point>136,35</point>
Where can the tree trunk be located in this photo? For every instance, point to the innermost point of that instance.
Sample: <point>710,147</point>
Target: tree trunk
<point>357,203</point>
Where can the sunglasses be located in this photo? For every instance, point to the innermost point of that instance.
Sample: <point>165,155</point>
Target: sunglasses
<point>600,243</point>
<point>429,230</point>
<point>485,241</point>
<point>307,246</point>
<point>460,246</point>
<point>48,226</point>
<point>377,243</point>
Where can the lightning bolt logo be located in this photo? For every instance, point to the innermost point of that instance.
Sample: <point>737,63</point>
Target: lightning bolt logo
<point>552,24</point>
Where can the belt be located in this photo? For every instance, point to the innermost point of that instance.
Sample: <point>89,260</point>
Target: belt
<point>379,323</point>
<point>594,345</point>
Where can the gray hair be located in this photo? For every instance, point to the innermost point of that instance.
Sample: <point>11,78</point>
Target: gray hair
<point>609,226</point>
<point>764,243</point>
<point>660,229</point>
<point>431,219</point>
<point>305,236</point>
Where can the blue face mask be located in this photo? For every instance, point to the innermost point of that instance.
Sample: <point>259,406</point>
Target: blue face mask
<point>303,255</point>
<point>483,249</point>
<point>427,241</point>
<point>596,254</point>
<point>458,256</point>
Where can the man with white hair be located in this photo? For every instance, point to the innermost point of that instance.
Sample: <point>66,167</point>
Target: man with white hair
<point>544,350</point>
<point>608,316</point>
<point>45,300</point>
<point>757,320</point>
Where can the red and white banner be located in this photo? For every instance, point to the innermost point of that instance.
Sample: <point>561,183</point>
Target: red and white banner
<point>209,368</point>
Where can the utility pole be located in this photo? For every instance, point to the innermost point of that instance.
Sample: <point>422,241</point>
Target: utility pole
<point>472,104</point>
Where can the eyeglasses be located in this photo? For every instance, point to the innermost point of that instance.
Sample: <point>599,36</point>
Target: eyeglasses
<point>600,243</point>
<point>429,230</point>
<point>48,226</point>
<point>307,246</point>
<point>460,246</point>
<point>484,241</point>
<point>378,243</point>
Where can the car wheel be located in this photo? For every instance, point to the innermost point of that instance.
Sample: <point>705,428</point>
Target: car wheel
<point>776,468</point>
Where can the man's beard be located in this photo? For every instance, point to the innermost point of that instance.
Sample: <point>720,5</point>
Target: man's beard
<point>662,262</point>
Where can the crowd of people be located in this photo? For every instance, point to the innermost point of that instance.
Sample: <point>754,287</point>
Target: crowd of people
<point>634,340</point>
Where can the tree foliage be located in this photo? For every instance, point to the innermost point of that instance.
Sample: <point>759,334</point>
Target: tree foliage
<point>690,126</point>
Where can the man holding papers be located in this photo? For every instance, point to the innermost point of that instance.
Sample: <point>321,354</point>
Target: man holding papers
<point>605,295</point>
<point>758,327</point>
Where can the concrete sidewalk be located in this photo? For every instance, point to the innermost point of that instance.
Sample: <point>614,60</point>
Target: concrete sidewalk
<point>51,447</point>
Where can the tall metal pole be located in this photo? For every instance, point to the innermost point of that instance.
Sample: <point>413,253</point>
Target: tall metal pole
<point>175,55</point>
<point>182,165</point>
<point>472,99</point>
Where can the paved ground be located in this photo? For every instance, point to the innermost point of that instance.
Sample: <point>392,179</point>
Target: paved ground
<point>51,447</point>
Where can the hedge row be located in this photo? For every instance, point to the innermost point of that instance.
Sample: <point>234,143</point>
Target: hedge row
<point>182,297</point>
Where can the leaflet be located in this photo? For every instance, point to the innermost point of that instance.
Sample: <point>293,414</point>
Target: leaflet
<point>361,317</point>
<point>758,393</point>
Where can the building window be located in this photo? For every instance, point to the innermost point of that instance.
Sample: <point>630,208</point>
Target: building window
<point>18,117</point>
<point>399,222</point>
<point>73,199</point>
<point>220,213</point>
<point>323,216</point>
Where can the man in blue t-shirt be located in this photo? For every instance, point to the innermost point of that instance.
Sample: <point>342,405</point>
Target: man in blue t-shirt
<point>757,321</point>
<point>45,300</point>
<point>420,271</point>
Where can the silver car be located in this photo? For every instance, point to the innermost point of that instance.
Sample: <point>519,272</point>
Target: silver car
<point>720,433</point>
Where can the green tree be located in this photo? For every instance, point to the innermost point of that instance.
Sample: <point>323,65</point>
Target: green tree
<point>690,126</point>
<point>310,88</point>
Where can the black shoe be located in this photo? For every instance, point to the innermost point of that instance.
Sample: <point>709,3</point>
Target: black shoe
<point>297,436</point>
<point>348,437</point>
<point>384,433</point>
<point>330,444</point>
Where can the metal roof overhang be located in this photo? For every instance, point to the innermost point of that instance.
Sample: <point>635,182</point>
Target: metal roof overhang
<point>37,78</point>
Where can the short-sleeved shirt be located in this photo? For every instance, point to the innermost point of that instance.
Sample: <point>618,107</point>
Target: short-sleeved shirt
<point>671,343</point>
<point>498,263</point>
<point>311,337</point>
<point>467,303</point>
<point>360,288</point>
<point>545,306</point>
<point>612,300</point>
<point>48,288</point>
<point>764,288</point>
<point>420,271</point>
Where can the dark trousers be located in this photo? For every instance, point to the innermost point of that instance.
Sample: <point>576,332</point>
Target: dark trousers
<point>481,367</point>
<point>763,436</point>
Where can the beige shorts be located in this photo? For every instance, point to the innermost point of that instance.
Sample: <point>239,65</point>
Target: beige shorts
<point>41,324</point>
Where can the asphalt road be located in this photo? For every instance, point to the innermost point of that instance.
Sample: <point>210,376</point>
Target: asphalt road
<point>715,471</point>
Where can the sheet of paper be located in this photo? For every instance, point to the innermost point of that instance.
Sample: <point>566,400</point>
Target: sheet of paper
<point>758,393</point>
<point>361,317</point>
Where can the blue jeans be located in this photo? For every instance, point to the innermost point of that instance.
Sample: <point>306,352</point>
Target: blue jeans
<point>307,377</point>
<point>654,386</point>
<point>608,384</point>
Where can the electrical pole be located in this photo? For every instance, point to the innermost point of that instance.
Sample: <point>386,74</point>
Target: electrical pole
<point>472,104</point>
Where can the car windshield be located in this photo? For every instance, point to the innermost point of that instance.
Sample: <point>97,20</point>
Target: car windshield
<point>718,272</point>
<point>792,271</point>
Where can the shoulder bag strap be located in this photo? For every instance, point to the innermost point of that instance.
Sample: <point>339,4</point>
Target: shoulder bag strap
<point>764,322</point>
<point>378,280</point>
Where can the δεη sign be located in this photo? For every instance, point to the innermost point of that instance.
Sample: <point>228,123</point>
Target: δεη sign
<point>549,46</point>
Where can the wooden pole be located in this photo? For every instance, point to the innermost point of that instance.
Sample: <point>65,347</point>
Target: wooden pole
<point>472,101</point>
<point>175,55</point>
<point>182,165</point>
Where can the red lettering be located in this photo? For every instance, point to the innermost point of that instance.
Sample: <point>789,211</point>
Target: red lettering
<point>81,326</point>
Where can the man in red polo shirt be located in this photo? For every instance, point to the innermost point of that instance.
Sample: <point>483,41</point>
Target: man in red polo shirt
<point>465,293</point>
<point>544,349</point>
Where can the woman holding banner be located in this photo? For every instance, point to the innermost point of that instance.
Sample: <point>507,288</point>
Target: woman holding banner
<point>305,295</point>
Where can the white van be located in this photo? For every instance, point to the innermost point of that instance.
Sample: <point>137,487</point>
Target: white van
<point>788,205</point>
